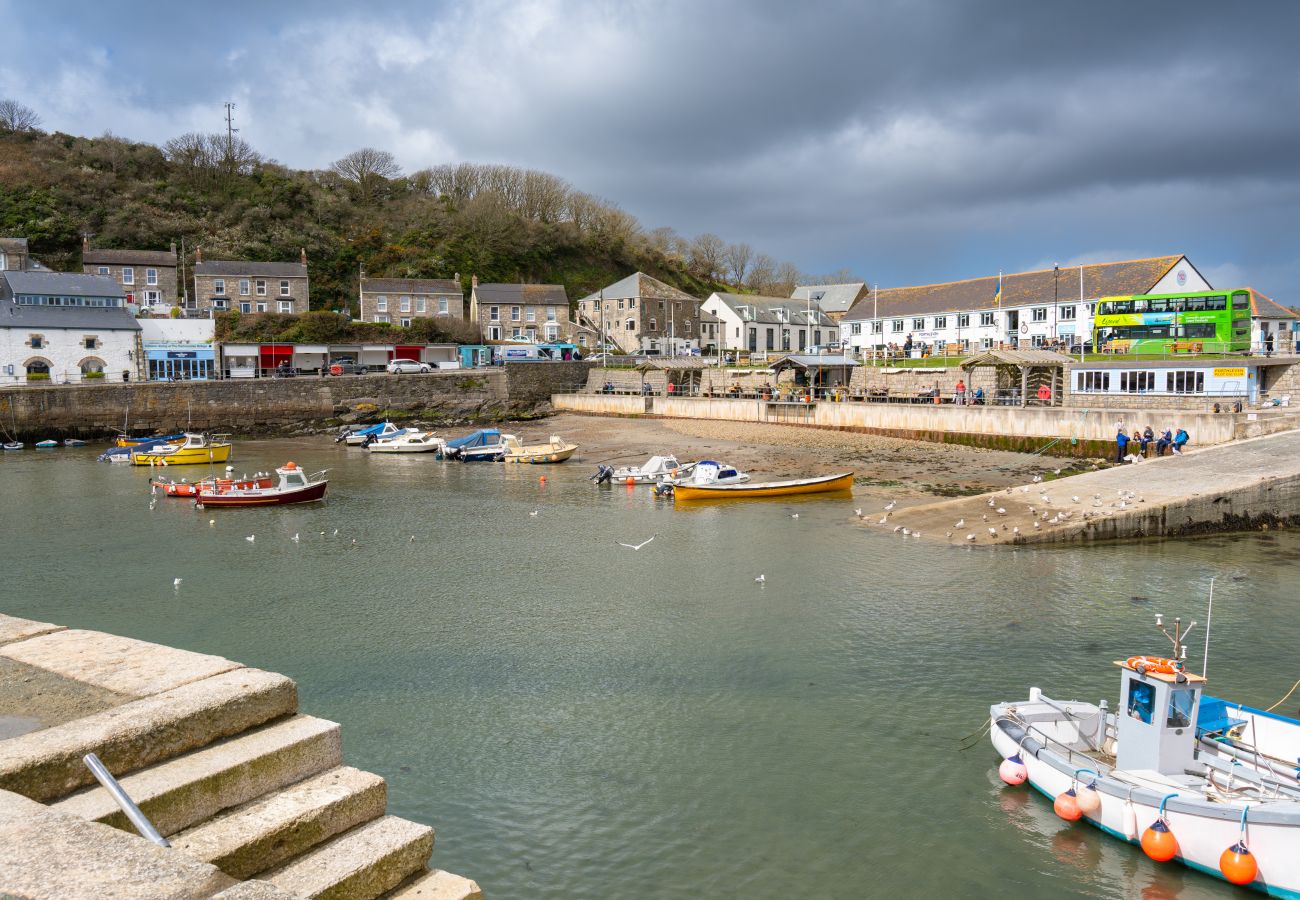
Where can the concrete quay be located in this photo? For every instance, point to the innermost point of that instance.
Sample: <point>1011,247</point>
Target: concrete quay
<point>1239,486</point>
<point>253,795</point>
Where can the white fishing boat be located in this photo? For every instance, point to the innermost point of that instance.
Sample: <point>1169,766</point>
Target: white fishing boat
<point>655,469</point>
<point>408,442</point>
<point>359,437</point>
<point>1188,777</point>
<point>13,445</point>
<point>73,442</point>
<point>47,444</point>
<point>555,450</point>
<point>707,473</point>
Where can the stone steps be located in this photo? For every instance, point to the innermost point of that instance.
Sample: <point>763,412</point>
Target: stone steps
<point>46,765</point>
<point>360,864</point>
<point>281,825</point>
<point>437,885</point>
<point>183,791</point>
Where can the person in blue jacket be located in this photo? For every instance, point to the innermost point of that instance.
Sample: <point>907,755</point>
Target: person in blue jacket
<point>1165,442</point>
<point>1121,445</point>
<point>1180,440</point>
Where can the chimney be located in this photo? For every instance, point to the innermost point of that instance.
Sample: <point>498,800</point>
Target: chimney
<point>302,256</point>
<point>473,282</point>
<point>457,278</point>
<point>85,243</point>
<point>198,255</point>
<point>173,248</point>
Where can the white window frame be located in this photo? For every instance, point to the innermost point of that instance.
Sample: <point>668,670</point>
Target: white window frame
<point>405,323</point>
<point>261,306</point>
<point>381,317</point>
<point>1038,314</point>
<point>494,333</point>
<point>940,322</point>
<point>530,314</point>
<point>918,324</point>
<point>286,306</point>
<point>896,326</point>
<point>551,315</point>
<point>878,327</point>
<point>219,287</point>
<point>494,315</point>
<point>515,313</point>
<point>284,288</point>
<point>260,287</point>
<point>443,306</point>
<point>1068,313</point>
<point>381,304</point>
<point>986,321</point>
<point>105,270</point>
<point>421,305</point>
<point>151,276</point>
<point>128,275</point>
<point>963,320</point>
<point>404,304</point>
<point>245,287</point>
<point>245,306</point>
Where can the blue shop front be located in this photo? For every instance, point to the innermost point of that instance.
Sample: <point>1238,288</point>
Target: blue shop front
<point>179,362</point>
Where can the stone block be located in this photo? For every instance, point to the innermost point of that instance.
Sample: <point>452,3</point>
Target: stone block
<point>45,765</point>
<point>275,828</point>
<point>255,890</point>
<point>123,665</point>
<point>438,885</point>
<point>180,792</point>
<point>13,629</point>
<point>361,864</point>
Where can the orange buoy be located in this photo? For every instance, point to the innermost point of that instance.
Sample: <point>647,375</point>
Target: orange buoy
<point>630,481</point>
<point>1238,864</point>
<point>1013,770</point>
<point>1067,806</point>
<point>1088,800</point>
<point>1158,842</point>
<point>541,479</point>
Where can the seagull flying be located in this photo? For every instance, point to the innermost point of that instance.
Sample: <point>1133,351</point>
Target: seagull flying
<point>640,545</point>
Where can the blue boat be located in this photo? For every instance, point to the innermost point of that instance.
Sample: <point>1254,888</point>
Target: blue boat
<point>486,444</point>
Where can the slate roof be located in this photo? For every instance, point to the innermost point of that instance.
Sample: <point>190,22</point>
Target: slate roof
<point>1017,358</point>
<point>764,309</point>
<point>63,284</point>
<point>13,245</point>
<point>543,294</point>
<point>835,298</point>
<point>1134,276</point>
<point>813,361</point>
<point>411,286</point>
<point>640,284</point>
<point>1268,309</point>
<point>235,268</point>
<point>13,315</point>
<point>165,258</point>
<point>688,363</point>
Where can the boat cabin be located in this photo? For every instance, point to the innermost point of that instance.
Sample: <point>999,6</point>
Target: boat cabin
<point>1157,719</point>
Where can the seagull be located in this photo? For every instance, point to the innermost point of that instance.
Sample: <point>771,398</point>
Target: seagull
<point>892,504</point>
<point>251,538</point>
<point>412,539</point>
<point>992,503</point>
<point>1074,499</point>
<point>858,512</point>
<point>760,579</point>
<point>640,545</point>
<point>1001,511</point>
<point>1032,511</point>
<point>970,537</point>
<point>176,583</point>
<point>959,523</point>
<point>1025,489</point>
<point>322,534</point>
<point>897,529</point>
<point>229,469</point>
<point>1037,478</point>
<point>295,537</point>
<point>1056,471</point>
<point>993,531</point>
<point>534,513</point>
<point>794,515</point>
<point>948,535</point>
<point>1016,530</point>
<point>1036,525</point>
<point>985,517</point>
<point>212,523</point>
<point>336,534</point>
<point>906,532</point>
<point>883,520</point>
<point>354,542</point>
<point>916,534</point>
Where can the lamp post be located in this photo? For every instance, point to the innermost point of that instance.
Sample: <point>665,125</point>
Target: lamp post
<point>1056,301</point>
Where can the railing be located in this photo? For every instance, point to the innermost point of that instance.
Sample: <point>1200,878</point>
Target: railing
<point>123,800</point>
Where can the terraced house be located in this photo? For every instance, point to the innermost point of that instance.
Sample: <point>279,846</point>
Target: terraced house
<point>519,312</point>
<point>641,314</point>
<point>249,287</point>
<point>401,300</point>
<point>773,326</point>
<point>148,277</point>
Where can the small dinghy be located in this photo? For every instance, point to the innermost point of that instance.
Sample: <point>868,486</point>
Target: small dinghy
<point>407,442</point>
<point>13,445</point>
<point>1188,777</point>
<point>46,445</point>
<point>489,438</point>
<point>765,489</point>
<point>555,450</point>
<point>655,469</point>
<point>73,442</point>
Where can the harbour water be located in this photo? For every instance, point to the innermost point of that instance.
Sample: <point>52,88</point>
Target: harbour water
<point>581,720</point>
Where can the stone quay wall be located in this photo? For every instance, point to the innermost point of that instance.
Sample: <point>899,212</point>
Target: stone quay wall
<point>275,405</point>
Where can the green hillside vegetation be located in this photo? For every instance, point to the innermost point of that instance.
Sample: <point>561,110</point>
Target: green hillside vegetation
<point>499,223</point>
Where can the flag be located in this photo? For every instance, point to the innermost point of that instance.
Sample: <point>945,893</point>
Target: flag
<point>997,292</point>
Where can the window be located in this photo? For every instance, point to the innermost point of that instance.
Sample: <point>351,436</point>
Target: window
<point>986,344</point>
<point>218,285</point>
<point>150,276</point>
<point>405,323</point>
<point>1039,313</point>
<point>494,313</point>
<point>877,327</point>
<point>986,319</point>
<point>514,314</point>
<point>1137,382</point>
<point>1092,382</point>
<point>771,338</point>
<point>1180,708</point>
<point>1141,701</point>
<point>631,303</point>
<point>260,287</point>
<point>104,270</point>
<point>91,364</point>
<point>654,324</point>
<point>406,304</point>
<point>1038,340</point>
<point>36,341</point>
<point>128,275</point>
<point>284,288</point>
<point>244,287</point>
<point>1092,309</point>
<point>245,307</point>
<point>620,304</point>
<point>261,306</point>
<point>855,328</point>
<point>753,340</point>
<point>531,314</point>
<point>286,306</point>
<point>817,337</point>
<point>550,314</point>
<point>940,322</point>
<point>1185,382</point>
<point>494,333</point>
<point>381,304</point>
<point>785,339</point>
<point>1067,313</point>
<point>90,343</point>
<point>153,296</point>
<point>421,305</point>
<point>382,317</point>
<point>629,325</point>
<point>918,324</point>
<point>442,306</point>
<point>896,325</point>
<point>221,304</point>
<point>963,320</point>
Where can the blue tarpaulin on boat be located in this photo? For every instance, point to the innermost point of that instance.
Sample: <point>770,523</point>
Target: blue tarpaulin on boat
<point>480,438</point>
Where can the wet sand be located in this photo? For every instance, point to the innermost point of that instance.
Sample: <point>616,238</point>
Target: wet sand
<point>912,471</point>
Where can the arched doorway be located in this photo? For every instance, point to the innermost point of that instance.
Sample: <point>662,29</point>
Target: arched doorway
<point>91,367</point>
<point>38,367</point>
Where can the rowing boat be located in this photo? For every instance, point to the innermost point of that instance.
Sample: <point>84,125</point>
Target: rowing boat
<point>820,485</point>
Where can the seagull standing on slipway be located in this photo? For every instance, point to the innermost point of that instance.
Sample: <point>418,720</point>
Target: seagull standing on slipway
<point>892,504</point>
<point>959,523</point>
<point>858,512</point>
<point>640,545</point>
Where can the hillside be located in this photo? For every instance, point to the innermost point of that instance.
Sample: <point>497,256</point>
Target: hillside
<point>499,223</point>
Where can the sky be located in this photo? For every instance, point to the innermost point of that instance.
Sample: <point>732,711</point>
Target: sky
<point>909,141</point>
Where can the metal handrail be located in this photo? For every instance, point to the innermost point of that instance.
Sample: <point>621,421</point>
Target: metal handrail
<point>124,801</point>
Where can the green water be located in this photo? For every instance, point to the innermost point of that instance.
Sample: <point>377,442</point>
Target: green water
<point>580,720</point>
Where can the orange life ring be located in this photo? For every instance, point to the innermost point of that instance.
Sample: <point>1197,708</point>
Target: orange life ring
<point>1158,664</point>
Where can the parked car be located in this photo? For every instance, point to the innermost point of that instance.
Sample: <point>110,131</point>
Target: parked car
<point>345,367</point>
<point>407,367</point>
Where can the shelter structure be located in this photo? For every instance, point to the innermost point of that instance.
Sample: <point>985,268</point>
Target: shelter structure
<point>818,371</point>
<point>1024,376</point>
<point>686,373</point>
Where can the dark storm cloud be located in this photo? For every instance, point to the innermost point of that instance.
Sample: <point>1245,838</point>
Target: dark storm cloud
<point>911,141</point>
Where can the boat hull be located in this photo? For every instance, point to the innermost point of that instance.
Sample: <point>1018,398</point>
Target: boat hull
<point>763,490</point>
<point>187,456</point>
<point>537,458</point>
<point>309,494</point>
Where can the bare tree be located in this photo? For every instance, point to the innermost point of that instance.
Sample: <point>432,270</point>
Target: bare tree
<point>738,258</point>
<point>786,279</point>
<point>208,157</point>
<point>762,274</point>
<point>369,169</point>
<point>15,116</point>
<point>707,252</point>
<point>663,240</point>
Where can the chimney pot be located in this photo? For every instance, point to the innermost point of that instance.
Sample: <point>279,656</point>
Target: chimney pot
<point>85,243</point>
<point>173,248</point>
<point>302,256</point>
<point>473,281</point>
<point>198,254</point>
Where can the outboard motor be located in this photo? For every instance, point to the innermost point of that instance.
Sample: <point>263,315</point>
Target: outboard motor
<point>603,474</point>
<point>663,489</point>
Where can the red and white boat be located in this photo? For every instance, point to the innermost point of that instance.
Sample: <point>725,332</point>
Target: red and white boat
<point>294,486</point>
<point>185,488</point>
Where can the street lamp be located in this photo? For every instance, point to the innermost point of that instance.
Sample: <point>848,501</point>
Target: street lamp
<point>1056,302</point>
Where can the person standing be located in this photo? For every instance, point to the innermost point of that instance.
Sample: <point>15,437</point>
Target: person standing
<point>1121,445</point>
<point>959,395</point>
<point>1044,395</point>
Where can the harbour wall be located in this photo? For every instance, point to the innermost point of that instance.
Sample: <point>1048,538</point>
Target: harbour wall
<point>1070,432</point>
<point>259,405</point>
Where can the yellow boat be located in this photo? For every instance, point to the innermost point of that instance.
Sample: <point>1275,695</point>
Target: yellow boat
<point>196,449</point>
<point>553,451</point>
<point>821,485</point>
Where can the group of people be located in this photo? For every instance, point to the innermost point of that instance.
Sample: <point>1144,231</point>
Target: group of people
<point>1135,447</point>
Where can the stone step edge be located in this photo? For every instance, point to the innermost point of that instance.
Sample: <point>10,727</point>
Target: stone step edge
<point>436,884</point>
<point>279,826</point>
<point>45,765</point>
<point>187,789</point>
<point>360,864</point>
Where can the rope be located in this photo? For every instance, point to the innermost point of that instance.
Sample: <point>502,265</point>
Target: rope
<point>1283,700</point>
<point>974,737</point>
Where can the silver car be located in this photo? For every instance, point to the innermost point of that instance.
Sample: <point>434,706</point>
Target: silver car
<point>407,367</point>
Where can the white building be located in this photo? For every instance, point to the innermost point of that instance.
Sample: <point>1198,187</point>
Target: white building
<point>769,325</point>
<point>60,327</point>
<point>1019,309</point>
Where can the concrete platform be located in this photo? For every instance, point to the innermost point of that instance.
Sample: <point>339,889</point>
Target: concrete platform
<point>1244,485</point>
<point>13,628</point>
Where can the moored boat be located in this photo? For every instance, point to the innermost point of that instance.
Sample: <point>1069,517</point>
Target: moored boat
<point>73,442</point>
<point>293,486</point>
<point>483,439</point>
<point>194,450</point>
<point>185,488</point>
<point>407,442</point>
<point>759,490</point>
<point>1186,776</point>
<point>46,444</point>
<point>655,469</point>
<point>707,472</point>
<point>491,447</point>
<point>555,450</point>
<point>362,436</point>
<point>126,440</point>
<point>13,445</point>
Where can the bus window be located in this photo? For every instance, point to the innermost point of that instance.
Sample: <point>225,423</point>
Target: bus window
<point>1119,307</point>
<point>1199,330</point>
<point>1196,304</point>
<point>1240,301</point>
<point>1217,304</point>
<point>1159,304</point>
<point>1140,306</point>
<point>1177,304</point>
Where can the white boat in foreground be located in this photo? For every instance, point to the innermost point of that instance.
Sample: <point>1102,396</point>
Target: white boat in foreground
<point>655,469</point>
<point>1188,777</point>
<point>707,473</point>
<point>408,442</point>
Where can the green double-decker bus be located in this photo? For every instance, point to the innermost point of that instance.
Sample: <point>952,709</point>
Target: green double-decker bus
<point>1202,322</point>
